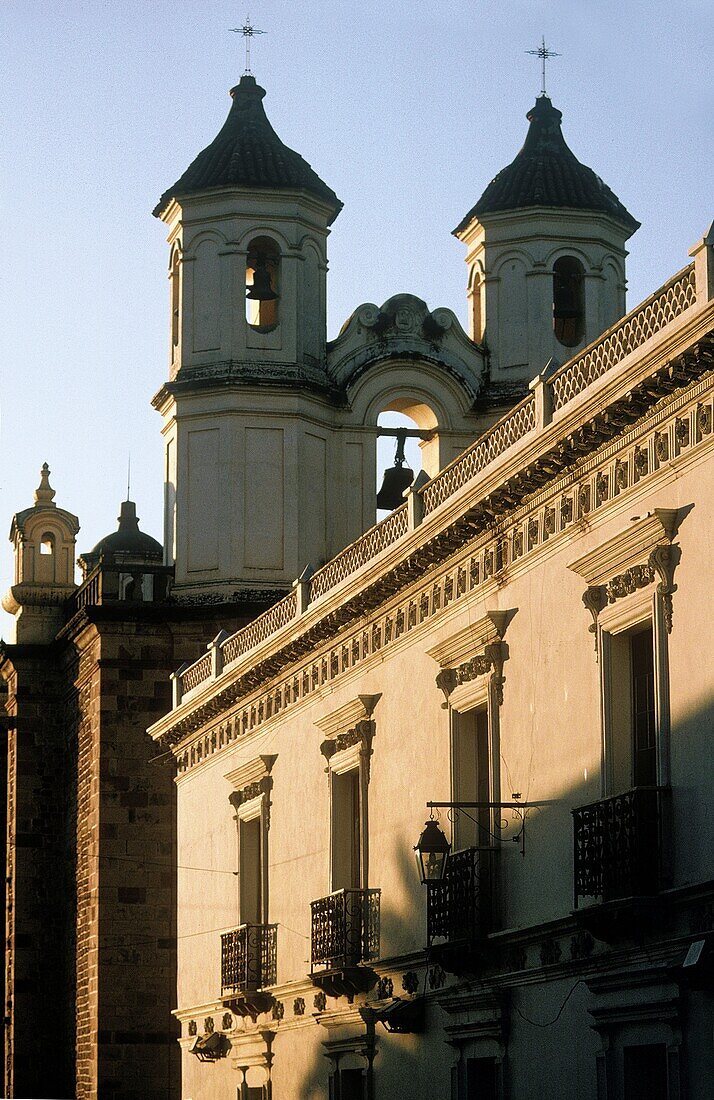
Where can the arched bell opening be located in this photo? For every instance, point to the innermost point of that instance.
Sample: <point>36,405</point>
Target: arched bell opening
<point>568,301</point>
<point>404,447</point>
<point>175,277</point>
<point>262,284</point>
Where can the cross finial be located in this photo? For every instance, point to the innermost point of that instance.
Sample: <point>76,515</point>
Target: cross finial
<point>543,53</point>
<point>247,30</point>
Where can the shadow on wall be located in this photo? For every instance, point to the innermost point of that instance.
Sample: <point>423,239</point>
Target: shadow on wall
<point>398,1058</point>
<point>540,889</point>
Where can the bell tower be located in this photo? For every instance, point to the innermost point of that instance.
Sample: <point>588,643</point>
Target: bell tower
<point>43,539</point>
<point>248,223</point>
<point>545,255</point>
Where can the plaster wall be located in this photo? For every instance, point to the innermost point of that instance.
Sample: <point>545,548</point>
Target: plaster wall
<point>550,752</point>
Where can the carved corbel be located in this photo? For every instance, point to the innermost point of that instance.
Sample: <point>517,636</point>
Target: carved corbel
<point>664,559</point>
<point>595,599</point>
<point>361,734</point>
<point>366,732</point>
<point>446,681</point>
<point>496,655</point>
<point>257,782</point>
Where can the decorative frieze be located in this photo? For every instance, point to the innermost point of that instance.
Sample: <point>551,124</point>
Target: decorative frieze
<point>629,581</point>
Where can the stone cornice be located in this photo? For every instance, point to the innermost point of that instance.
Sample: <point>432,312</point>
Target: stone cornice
<point>444,533</point>
<point>629,547</point>
<point>474,573</point>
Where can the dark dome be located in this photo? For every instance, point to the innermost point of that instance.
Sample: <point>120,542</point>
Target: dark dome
<point>248,153</point>
<point>547,173</point>
<point>127,542</point>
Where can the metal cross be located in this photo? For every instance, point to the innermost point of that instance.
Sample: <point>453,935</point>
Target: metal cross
<point>543,53</point>
<point>247,30</point>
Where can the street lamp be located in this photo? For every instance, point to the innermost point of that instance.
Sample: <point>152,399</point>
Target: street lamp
<point>432,852</point>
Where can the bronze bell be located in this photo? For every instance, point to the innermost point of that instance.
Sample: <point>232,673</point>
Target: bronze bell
<point>396,479</point>
<point>262,288</point>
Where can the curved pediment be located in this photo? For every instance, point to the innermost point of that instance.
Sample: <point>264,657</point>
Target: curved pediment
<point>405,328</point>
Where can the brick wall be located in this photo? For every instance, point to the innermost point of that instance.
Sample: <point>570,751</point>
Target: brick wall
<point>37,898</point>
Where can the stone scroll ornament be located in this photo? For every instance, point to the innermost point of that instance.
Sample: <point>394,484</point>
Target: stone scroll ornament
<point>491,660</point>
<point>661,563</point>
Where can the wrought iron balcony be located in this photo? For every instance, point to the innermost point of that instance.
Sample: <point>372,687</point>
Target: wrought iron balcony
<point>345,936</point>
<point>248,965</point>
<point>458,913</point>
<point>617,845</point>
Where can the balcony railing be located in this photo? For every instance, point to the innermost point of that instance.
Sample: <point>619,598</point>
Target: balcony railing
<point>345,929</point>
<point>617,845</point>
<point>248,958</point>
<point>458,914</point>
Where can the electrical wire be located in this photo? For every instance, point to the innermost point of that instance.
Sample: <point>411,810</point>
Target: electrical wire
<point>537,1023</point>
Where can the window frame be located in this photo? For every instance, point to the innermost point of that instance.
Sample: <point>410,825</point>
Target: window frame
<point>640,609</point>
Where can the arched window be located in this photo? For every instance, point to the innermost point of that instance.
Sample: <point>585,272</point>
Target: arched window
<point>262,284</point>
<point>47,544</point>
<point>175,300</point>
<point>568,301</point>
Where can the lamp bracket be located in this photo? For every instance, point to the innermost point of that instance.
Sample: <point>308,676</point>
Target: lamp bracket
<point>520,814</point>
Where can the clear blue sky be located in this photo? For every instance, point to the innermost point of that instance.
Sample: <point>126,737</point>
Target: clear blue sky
<point>406,109</point>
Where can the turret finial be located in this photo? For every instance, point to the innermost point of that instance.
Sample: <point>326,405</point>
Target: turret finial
<point>247,30</point>
<point>44,493</point>
<point>543,53</point>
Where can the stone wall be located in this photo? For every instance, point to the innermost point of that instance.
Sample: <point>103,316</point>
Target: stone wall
<point>37,898</point>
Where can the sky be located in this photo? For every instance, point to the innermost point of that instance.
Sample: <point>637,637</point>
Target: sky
<point>406,109</point>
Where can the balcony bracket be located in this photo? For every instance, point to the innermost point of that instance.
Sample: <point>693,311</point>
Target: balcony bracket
<point>346,982</point>
<point>633,918</point>
<point>251,1004</point>
<point>400,1016</point>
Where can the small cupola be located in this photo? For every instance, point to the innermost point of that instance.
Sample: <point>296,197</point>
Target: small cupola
<point>128,545</point>
<point>43,539</point>
<point>546,254</point>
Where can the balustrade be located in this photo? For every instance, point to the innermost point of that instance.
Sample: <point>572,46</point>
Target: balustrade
<point>618,845</point>
<point>248,958</point>
<point>345,929</point>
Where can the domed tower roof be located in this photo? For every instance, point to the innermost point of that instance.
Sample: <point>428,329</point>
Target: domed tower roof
<point>248,153</point>
<point>547,173</point>
<point>127,543</point>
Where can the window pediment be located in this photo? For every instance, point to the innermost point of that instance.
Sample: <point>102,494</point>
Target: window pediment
<point>472,659</point>
<point>630,548</point>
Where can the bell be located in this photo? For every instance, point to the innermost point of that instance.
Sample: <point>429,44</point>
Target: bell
<point>396,479</point>
<point>261,288</point>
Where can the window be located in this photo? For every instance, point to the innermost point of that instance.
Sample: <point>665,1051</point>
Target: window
<point>347,1084</point>
<point>471,776</point>
<point>632,712</point>
<point>645,1072</point>
<point>251,871</point>
<point>346,831</point>
<point>481,1079</point>
<point>175,300</point>
<point>351,1084</point>
<point>644,748</point>
<point>568,301</point>
<point>262,275</point>
<point>251,802</point>
<point>47,544</point>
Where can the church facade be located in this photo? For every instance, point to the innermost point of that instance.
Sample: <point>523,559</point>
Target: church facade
<point>230,906</point>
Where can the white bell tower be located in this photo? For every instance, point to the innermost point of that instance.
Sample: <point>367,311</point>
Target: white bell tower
<point>545,255</point>
<point>248,225</point>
